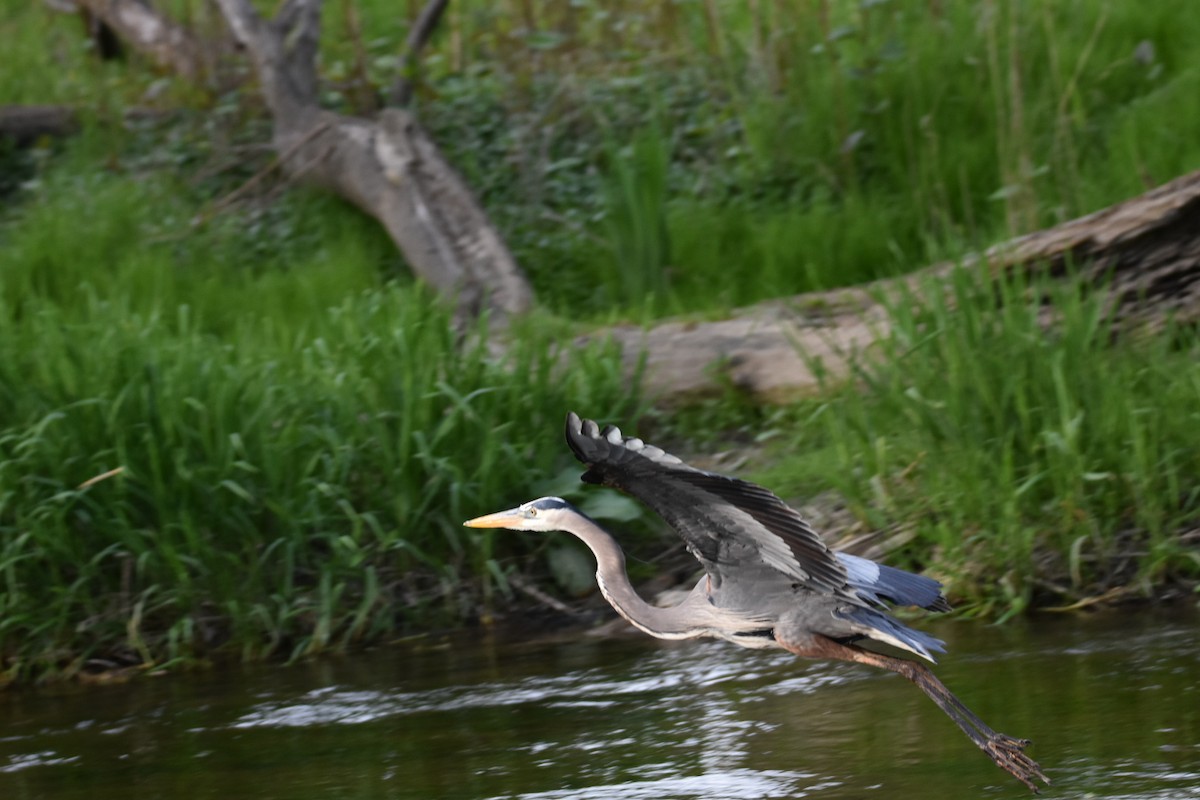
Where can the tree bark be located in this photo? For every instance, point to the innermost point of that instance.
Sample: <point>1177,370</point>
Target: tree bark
<point>24,125</point>
<point>1143,253</point>
<point>388,166</point>
<point>168,45</point>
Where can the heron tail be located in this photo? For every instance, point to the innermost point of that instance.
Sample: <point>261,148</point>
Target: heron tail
<point>883,628</point>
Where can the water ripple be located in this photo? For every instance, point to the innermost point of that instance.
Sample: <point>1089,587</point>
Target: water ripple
<point>737,784</point>
<point>46,758</point>
<point>664,675</point>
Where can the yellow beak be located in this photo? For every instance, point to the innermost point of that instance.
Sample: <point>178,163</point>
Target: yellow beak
<point>501,519</point>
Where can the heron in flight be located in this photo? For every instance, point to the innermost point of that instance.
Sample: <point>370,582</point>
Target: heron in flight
<point>769,582</point>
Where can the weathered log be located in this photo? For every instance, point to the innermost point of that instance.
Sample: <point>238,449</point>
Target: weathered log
<point>25,125</point>
<point>387,166</point>
<point>168,45</point>
<point>1144,253</point>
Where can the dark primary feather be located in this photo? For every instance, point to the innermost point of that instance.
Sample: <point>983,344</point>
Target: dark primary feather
<point>722,520</point>
<point>725,521</point>
<point>785,589</point>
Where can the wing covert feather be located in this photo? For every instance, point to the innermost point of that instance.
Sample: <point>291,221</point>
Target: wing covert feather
<point>723,521</point>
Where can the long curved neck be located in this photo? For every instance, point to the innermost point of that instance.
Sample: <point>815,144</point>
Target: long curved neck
<point>665,623</point>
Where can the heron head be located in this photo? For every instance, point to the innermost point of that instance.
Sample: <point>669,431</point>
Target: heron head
<point>543,514</point>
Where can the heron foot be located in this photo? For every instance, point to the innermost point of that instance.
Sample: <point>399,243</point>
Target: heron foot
<point>1009,754</point>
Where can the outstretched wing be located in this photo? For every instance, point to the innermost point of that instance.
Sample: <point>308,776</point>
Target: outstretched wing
<point>725,522</point>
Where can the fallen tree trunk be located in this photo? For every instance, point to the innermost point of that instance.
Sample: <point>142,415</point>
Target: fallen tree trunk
<point>24,125</point>
<point>1143,252</point>
<point>387,166</point>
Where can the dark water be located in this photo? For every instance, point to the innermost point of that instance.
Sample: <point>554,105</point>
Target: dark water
<point>1111,701</point>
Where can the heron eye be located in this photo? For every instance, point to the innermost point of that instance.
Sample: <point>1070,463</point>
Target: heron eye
<point>533,512</point>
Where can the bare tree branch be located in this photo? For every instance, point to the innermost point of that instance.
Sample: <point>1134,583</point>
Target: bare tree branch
<point>255,179</point>
<point>389,167</point>
<point>1142,255</point>
<point>299,28</point>
<point>290,13</point>
<point>167,44</point>
<point>244,21</point>
<point>284,51</point>
<point>25,125</point>
<point>426,23</point>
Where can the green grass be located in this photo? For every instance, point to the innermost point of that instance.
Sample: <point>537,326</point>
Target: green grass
<point>51,61</point>
<point>810,144</point>
<point>301,432</point>
<point>818,145</point>
<point>300,436</point>
<point>1039,464</point>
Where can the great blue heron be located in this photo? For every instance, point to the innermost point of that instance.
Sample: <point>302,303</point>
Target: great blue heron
<point>770,581</point>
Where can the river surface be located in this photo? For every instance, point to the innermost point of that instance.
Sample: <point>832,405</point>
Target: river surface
<point>1111,701</point>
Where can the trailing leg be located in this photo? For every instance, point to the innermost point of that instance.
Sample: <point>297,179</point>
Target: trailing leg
<point>1007,752</point>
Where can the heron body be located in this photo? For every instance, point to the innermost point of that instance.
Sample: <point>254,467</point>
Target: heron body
<point>769,580</point>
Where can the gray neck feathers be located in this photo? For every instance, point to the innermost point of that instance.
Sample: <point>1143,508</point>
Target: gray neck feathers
<point>684,621</point>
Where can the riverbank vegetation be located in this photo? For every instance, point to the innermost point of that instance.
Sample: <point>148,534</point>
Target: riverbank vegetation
<point>1030,467</point>
<point>300,429</point>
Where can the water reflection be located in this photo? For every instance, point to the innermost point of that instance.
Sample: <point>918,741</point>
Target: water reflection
<point>1111,702</point>
<point>46,758</point>
<point>660,676</point>
<point>733,784</point>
